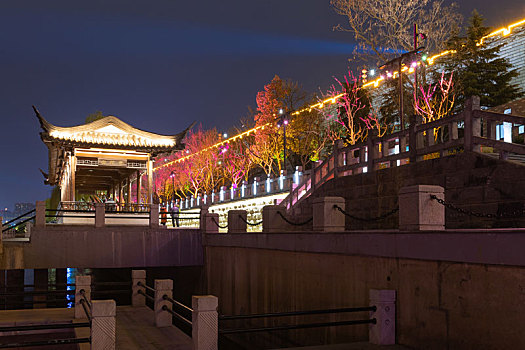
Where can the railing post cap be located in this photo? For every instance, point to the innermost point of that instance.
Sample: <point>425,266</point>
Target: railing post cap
<point>103,308</point>
<point>83,280</point>
<point>138,274</point>
<point>382,295</point>
<point>165,284</point>
<point>422,189</point>
<point>204,302</point>
<point>334,200</point>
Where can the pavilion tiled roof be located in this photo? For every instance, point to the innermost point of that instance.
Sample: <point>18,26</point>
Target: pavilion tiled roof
<point>108,132</point>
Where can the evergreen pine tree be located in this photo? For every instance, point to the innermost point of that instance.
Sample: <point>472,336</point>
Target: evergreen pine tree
<point>478,69</point>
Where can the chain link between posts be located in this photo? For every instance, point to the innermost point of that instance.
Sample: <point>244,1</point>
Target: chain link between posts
<point>218,225</point>
<point>294,223</point>
<point>377,218</point>
<point>249,223</point>
<point>514,214</point>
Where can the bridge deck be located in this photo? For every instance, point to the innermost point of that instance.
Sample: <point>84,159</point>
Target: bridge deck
<point>135,328</point>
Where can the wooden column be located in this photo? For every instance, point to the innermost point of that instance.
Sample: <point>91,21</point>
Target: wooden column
<point>73,160</point>
<point>129,190</point>
<point>120,191</point>
<point>139,185</point>
<point>150,181</point>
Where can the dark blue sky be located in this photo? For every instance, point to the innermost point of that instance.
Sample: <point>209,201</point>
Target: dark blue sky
<point>157,64</point>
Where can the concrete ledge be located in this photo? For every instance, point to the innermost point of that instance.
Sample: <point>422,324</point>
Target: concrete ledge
<point>125,246</point>
<point>494,246</point>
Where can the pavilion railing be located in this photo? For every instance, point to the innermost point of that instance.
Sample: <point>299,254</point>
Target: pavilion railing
<point>440,138</point>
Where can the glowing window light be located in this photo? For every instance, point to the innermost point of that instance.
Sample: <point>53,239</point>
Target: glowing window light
<point>372,72</point>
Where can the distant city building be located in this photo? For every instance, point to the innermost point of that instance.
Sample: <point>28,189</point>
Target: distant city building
<point>514,51</point>
<point>22,208</point>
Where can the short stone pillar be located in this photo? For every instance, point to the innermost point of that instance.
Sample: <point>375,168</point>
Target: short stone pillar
<point>154,215</point>
<point>205,324</point>
<point>136,277</point>
<point>383,332</point>
<point>103,324</point>
<point>29,227</point>
<point>417,211</point>
<point>236,224</point>
<point>82,282</point>
<point>210,223</point>
<point>162,317</point>
<point>326,217</point>
<point>40,214</point>
<point>272,221</point>
<point>100,214</point>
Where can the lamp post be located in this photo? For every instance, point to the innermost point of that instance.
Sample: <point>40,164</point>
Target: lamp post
<point>283,121</point>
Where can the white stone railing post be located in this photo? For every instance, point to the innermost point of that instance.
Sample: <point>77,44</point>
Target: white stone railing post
<point>40,214</point>
<point>136,277</point>
<point>236,224</point>
<point>154,215</point>
<point>383,332</point>
<point>205,323</point>
<point>103,324</point>
<point>100,215</point>
<point>82,283</point>
<point>326,217</point>
<point>162,317</point>
<point>417,211</point>
<point>210,223</point>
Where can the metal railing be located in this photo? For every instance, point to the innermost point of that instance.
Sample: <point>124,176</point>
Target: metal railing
<point>86,305</point>
<point>10,228</point>
<point>297,326</point>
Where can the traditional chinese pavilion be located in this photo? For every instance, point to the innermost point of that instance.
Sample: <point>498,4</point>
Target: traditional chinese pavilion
<point>104,156</point>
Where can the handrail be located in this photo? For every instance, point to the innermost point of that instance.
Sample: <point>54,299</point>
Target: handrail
<point>180,317</point>
<point>175,302</point>
<point>298,326</point>
<point>18,224</point>
<point>299,313</point>
<point>140,284</point>
<point>36,327</point>
<point>146,296</point>
<point>18,217</point>
<point>47,342</point>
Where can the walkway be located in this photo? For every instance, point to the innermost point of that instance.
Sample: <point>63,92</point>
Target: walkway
<point>135,328</point>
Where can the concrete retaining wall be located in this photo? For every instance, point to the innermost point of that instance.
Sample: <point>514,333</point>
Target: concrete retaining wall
<point>63,246</point>
<point>445,299</point>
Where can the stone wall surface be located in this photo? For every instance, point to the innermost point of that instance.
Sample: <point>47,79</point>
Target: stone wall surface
<point>471,181</point>
<point>107,247</point>
<point>440,305</point>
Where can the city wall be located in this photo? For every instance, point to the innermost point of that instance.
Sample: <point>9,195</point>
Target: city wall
<point>61,246</point>
<point>455,289</point>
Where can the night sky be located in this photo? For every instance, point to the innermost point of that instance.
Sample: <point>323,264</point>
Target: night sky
<point>158,65</point>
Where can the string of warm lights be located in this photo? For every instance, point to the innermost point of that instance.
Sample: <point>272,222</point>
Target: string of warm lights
<point>321,104</point>
<point>505,31</point>
<point>371,84</point>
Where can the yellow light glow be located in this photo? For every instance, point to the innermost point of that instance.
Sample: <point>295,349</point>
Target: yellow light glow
<point>111,138</point>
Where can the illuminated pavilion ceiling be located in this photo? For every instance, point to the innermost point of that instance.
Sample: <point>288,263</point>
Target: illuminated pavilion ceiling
<point>108,133</point>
